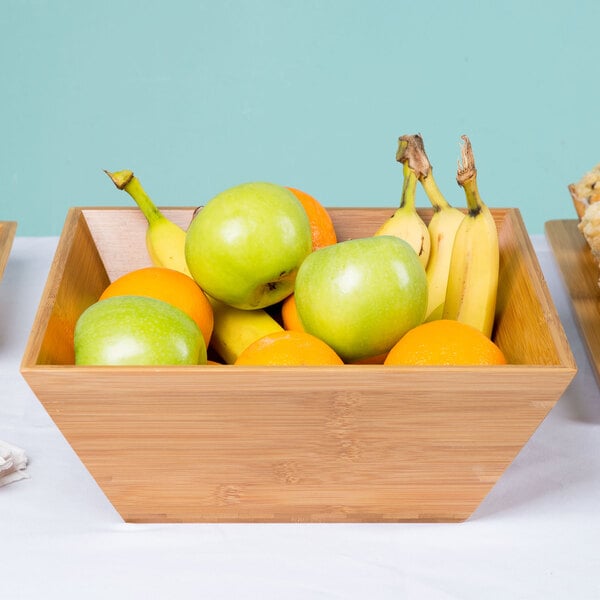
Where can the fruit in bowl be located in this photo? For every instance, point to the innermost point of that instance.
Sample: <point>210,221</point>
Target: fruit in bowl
<point>244,247</point>
<point>137,330</point>
<point>168,285</point>
<point>361,295</point>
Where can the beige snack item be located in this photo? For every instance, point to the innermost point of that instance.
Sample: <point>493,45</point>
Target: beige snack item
<point>586,191</point>
<point>586,199</point>
<point>13,463</point>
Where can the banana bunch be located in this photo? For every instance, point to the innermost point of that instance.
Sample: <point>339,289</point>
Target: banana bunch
<point>442,226</point>
<point>459,250</point>
<point>234,329</point>
<point>474,263</point>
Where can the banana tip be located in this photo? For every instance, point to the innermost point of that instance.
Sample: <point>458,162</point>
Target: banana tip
<point>120,178</point>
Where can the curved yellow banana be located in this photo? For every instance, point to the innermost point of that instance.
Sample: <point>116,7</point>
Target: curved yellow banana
<point>474,266</point>
<point>442,228</point>
<point>233,330</point>
<point>165,240</point>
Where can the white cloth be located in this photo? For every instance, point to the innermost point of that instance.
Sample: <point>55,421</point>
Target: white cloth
<point>536,536</point>
<point>13,463</point>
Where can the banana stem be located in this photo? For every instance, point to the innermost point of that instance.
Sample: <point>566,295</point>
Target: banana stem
<point>437,199</point>
<point>126,180</point>
<point>409,189</point>
<point>411,152</point>
<point>466,177</point>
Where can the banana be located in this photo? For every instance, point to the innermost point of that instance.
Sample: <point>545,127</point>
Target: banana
<point>165,240</point>
<point>406,223</point>
<point>474,264</point>
<point>442,227</point>
<point>234,329</point>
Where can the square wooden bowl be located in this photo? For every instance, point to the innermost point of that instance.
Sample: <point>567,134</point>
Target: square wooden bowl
<point>7,235</point>
<point>300,444</point>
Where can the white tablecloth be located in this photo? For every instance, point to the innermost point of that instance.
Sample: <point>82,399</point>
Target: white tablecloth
<point>536,535</point>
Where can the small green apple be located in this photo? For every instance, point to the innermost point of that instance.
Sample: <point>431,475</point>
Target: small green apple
<point>362,295</point>
<point>137,330</point>
<point>245,245</point>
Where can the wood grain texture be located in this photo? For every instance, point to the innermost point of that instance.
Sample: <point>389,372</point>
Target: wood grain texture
<point>7,235</point>
<point>580,274</point>
<point>293,444</point>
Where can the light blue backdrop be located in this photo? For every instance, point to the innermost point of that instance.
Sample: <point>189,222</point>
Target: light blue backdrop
<point>196,96</point>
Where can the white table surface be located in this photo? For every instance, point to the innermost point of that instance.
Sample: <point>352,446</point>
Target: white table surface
<point>536,535</point>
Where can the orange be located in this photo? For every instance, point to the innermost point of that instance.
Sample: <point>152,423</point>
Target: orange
<point>290,348</point>
<point>445,342</point>
<point>323,234</point>
<point>291,322</point>
<point>321,225</point>
<point>170,286</point>
<point>289,314</point>
<point>371,360</point>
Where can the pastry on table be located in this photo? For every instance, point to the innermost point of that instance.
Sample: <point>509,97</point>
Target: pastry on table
<point>586,199</point>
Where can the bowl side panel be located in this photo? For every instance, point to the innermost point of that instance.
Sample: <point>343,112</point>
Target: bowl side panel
<point>527,325</point>
<point>76,280</point>
<point>120,236</point>
<point>226,444</point>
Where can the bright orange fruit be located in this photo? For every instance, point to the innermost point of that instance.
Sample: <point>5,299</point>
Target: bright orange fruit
<point>290,348</point>
<point>445,342</point>
<point>323,234</point>
<point>289,315</point>
<point>321,225</point>
<point>291,322</point>
<point>371,360</point>
<point>170,286</point>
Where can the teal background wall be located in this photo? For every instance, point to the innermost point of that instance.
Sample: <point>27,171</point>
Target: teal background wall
<point>197,96</point>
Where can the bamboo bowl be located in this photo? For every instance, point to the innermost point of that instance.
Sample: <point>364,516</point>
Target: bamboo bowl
<point>357,443</point>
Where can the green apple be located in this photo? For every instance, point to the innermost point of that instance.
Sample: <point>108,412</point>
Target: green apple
<point>245,245</point>
<point>137,330</point>
<point>362,295</point>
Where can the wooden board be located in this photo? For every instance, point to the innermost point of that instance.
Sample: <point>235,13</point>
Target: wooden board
<point>7,234</point>
<point>580,273</point>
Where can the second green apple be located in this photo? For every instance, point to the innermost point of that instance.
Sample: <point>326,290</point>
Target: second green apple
<point>362,295</point>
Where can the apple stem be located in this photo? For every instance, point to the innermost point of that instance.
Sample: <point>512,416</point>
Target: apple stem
<point>411,152</point>
<point>126,180</point>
